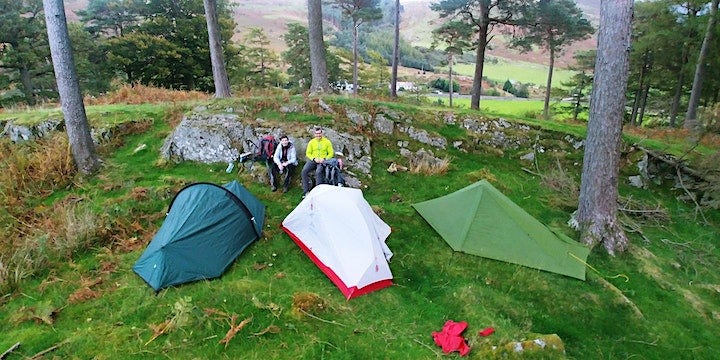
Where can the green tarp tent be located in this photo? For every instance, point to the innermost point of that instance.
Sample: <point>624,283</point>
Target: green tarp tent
<point>207,227</point>
<point>480,220</point>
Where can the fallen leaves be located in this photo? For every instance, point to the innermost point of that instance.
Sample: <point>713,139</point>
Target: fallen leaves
<point>234,329</point>
<point>180,317</point>
<point>159,329</point>
<point>273,329</point>
<point>85,292</point>
<point>260,266</point>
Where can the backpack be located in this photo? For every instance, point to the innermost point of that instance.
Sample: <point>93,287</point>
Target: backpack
<point>266,148</point>
<point>333,173</point>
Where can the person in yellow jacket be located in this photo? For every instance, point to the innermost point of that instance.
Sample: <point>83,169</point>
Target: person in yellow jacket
<point>318,150</point>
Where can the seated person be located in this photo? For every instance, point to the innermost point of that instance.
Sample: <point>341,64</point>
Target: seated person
<point>319,149</point>
<point>284,161</point>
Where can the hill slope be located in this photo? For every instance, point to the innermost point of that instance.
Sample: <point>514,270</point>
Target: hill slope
<point>417,22</point>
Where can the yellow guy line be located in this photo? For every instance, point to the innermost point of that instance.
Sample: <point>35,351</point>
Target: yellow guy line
<point>595,270</point>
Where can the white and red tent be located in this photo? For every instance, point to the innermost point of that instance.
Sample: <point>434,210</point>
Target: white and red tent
<point>341,234</point>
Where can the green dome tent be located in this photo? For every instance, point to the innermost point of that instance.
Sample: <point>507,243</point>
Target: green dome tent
<point>207,227</point>
<point>480,220</point>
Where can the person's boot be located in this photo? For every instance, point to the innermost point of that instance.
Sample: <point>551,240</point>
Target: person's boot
<point>273,187</point>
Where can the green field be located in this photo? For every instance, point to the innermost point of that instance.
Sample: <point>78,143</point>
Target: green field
<point>526,73</point>
<point>517,108</point>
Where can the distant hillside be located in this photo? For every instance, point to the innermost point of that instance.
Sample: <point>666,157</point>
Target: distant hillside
<point>417,22</point>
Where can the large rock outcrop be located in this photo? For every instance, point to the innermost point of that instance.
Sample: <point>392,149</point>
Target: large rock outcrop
<point>224,137</point>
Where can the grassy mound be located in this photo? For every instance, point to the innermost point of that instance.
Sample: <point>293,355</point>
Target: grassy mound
<point>69,243</point>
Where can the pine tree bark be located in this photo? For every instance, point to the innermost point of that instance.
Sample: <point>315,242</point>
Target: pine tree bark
<point>691,122</point>
<point>597,208</point>
<point>220,77</point>
<point>28,88</point>
<point>76,123</point>
<point>318,64</point>
<point>355,57</point>
<point>674,108</point>
<point>451,58</point>
<point>643,105</point>
<point>396,52</point>
<point>480,56</point>
<point>548,85</point>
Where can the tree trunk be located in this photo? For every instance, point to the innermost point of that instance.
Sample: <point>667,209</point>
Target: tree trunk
<point>477,79</point>
<point>396,51</point>
<point>318,64</point>
<point>576,109</point>
<point>676,100</point>
<point>638,93</point>
<point>691,116</point>
<point>76,124</point>
<point>635,106</point>
<point>674,108</point>
<point>222,84</point>
<point>355,57</point>
<point>480,56</point>
<point>262,70</point>
<point>546,107</point>
<point>643,105</point>
<point>597,208</point>
<point>452,88</point>
<point>28,90</point>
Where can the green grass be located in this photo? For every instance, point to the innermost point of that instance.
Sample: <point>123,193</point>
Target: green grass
<point>673,289</point>
<point>527,73</point>
<point>98,115</point>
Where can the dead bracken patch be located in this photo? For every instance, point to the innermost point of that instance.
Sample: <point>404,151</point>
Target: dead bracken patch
<point>378,209</point>
<point>85,292</point>
<point>482,174</point>
<point>308,303</point>
<point>139,193</point>
<point>82,295</point>
<point>141,94</point>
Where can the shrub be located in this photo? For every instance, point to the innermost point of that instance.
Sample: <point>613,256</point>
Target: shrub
<point>522,91</point>
<point>492,92</point>
<point>565,188</point>
<point>424,162</point>
<point>442,84</point>
<point>508,86</point>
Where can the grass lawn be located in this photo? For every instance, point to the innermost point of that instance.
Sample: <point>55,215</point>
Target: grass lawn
<point>526,73</point>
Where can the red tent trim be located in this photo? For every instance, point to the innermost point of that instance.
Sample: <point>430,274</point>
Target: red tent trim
<point>348,292</point>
